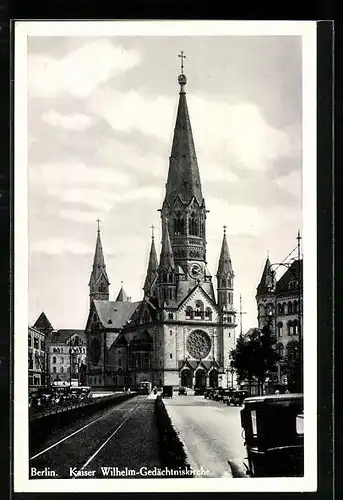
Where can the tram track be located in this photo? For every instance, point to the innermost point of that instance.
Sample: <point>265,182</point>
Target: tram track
<point>78,448</point>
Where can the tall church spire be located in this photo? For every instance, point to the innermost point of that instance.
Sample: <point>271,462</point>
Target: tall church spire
<point>225,277</point>
<point>152,266</point>
<point>99,282</point>
<point>225,264</point>
<point>166,257</point>
<point>183,176</point>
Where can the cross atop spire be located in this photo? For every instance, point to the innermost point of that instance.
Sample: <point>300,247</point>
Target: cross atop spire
<point>152,227</point>
<point>224,227</point>
<point>182,56</point>
<point>98,222</point>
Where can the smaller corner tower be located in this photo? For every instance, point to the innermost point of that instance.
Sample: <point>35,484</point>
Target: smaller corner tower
<point>166,276</point>
<point>151,273</point>
<point>265,293</point>
<point>99,282</point>
<point>225,277</point>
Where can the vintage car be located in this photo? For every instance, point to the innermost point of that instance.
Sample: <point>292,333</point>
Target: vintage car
<point>218,394</point>
<point>199,390</point>
<point>274,436</point>
<point>208,392</point>
<point>237,397</point>
<point>167,391</point>
<point>226,395</point>
<point>182,391</point>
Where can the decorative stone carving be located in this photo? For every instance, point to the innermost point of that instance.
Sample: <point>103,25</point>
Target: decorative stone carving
<point>198,344</point>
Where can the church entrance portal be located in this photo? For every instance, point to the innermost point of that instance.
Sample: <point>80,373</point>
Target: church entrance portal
<point>186,378</point>
<point>213,378</point>
<point>200,378</point>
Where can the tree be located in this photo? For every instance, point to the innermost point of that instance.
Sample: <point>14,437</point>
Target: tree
<point>292,366</point>
<point>255,355</point>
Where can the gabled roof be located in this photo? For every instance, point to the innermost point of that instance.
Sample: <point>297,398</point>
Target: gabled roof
<point>114,315</point>
<point>63,335</point>
<point>192,291</point>
<point>293,274</point>
<point>43,324</point>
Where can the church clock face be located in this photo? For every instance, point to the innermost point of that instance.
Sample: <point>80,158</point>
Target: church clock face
<point>195,270</point>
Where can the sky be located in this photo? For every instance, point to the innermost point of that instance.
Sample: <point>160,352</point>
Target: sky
<point>101,114</point>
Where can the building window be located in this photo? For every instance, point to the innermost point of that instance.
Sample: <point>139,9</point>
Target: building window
<point>290,308</point>
<point>62,369</point>
<point>170,355</point>
<point>62,360</point>
<point>279,329</point>
<point>208,313</point>
<point>295,306</point>
<point>30,340</point>
<point>54,359</point>
<point>42,345</point>
<point>189,312</point>
<point>229,319</point>
<point>54,369</point>
<point>199,309</point>
<point>230,298</point>
<point>289,328</point>
<point>30,361</point>
<point>295,327</point>
<point>170,316</point>
<point>119,362</point>
<point>279,349</point>
<point>35,343</point>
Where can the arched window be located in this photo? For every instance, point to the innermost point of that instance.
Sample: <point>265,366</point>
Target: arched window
<point>54,359</point>
<point>295,327</point>
<point>230,298</point>
<point>295,306</point>
<point>54,369</point>
<point>279,329</point>
<point>279,349</point>
<point>208,313</point>
<point>54,349</point>
<point>280,309</point>
<point>62,369</point>
<point>62,359</point>
<point>189,312</point>
<point>199,309</point>
<point>290,308</point>
<point>289,327</point>
<point>193,225</point>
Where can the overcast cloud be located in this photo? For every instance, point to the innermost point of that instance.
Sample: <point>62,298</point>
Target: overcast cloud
<point>101,119</point>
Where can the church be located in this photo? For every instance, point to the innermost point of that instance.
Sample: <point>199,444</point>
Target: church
<point>183,329</point>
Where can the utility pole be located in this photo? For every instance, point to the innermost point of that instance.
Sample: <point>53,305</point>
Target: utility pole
<point>241,312</point>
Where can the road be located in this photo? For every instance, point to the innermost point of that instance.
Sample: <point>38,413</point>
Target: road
<point>211,432</point>
<point>122,439</point>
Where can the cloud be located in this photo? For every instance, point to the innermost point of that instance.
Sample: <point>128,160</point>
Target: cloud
<point>80,72</point>
<point>105,200</point>
<point>229,135</point>
<point>55,246</point>
<point>75,121</point>
<point>54,174</point>
<point>239,219</point>
<point>79,215</point>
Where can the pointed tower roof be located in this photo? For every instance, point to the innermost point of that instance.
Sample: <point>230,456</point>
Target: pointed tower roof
<point>166,257</point>
<point>122,295</point>
<point>99,266</point>
<point>225,264</point>
<point>183,176</point>
<point>152,264</point>
<point>43,324</point>
<point>266,279</point>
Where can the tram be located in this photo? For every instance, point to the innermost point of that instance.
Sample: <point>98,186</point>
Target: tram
<point>145,387</point>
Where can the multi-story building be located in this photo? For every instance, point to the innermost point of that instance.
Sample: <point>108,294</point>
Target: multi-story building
<point>37,358</point>
<point>66,353</point>
<point>280,304</point>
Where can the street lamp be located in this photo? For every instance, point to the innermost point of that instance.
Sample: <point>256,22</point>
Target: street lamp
<point>73,348</point>
<point>232,371</point>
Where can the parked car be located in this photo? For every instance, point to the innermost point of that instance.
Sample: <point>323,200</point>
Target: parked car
<point>226,395</point>
<point>182,391</point>
<point>237,397</point>
<point>218,394</point>
<point>274,435</point>
<point>167,391</point>
<point>199,390</point>
<point>207,392</point>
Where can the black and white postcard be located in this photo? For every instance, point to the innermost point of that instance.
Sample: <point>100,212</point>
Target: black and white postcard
<point>165,256</point>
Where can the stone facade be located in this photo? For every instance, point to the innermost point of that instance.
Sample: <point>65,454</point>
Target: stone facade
<point>181,332</point>
<point>66,357</point>
<point>37,358</point>
<point>281,303</point>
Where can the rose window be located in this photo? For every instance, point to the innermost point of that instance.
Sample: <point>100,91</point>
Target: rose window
<point>198,344</point>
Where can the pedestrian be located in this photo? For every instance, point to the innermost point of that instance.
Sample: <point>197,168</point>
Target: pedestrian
<point>277,391</point>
